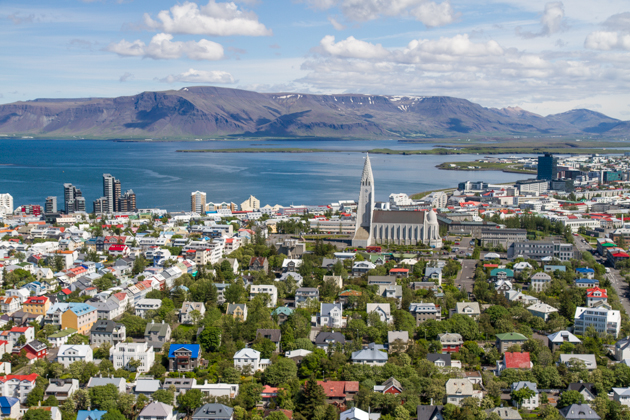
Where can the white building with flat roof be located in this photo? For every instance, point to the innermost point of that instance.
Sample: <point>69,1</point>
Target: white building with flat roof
<point>603,320</point>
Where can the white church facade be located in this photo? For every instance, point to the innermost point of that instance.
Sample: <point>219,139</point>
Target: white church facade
<point>391,227</point>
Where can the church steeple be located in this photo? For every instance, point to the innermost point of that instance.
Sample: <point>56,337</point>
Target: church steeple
<point>367,178</point>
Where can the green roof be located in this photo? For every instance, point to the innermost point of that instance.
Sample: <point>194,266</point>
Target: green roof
<point>282,310</point>
<point>608,244</point>
<point>63,333</point>
<point>513,336</point>
<point>496,271</point>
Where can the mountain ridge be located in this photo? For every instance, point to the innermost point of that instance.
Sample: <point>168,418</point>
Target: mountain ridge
<point>208,111</point>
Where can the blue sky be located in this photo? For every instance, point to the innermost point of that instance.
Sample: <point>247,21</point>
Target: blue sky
<point>545,57</point>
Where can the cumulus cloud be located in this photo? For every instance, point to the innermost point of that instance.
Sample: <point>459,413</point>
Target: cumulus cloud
<point>162,46</point>
<point>552,21</point>
<point>216,19</point>
<point>125,77</point>
<point>352,48</point>
<point>602,40</point>
<point>430,13</point>
<point>620,21</point>
<point>200,76</point>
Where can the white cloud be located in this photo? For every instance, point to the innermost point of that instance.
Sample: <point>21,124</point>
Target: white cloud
<point>430,13</point>
<point>162,47</point>
<point>352,48</point>
<point>200,76</point>
<point>602,40</point>
<point>217,19</point>
<point>552,21</point>
<point>338,26</point>
<point>619,21</point>
<point>125,77</point>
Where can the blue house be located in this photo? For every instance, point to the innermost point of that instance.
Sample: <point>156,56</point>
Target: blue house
<point>552,268</point>
<point>183,357</point>
<point>585,272</point>
<point>90,414</point>
<point>9,407</point>
<point>587,283</point>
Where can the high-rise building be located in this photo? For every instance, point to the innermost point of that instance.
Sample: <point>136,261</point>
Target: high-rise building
<point>73,199</point>
<point>6,204</point>
<point>252,203</point>
<point>547,167</point>
<point>198,202</point>
<point>111,192</point>
<point>51,205</point>
<point>127,203</point>
<point>100,205</point>
<point>117,194</point>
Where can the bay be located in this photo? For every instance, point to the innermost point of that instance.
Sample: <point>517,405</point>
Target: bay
<point>31,170</point>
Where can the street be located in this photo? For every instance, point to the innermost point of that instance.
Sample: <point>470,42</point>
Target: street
<point>614,277</point>
<point>466,275</point>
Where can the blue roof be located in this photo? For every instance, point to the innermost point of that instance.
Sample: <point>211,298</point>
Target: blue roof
<point>6,403</point>
<point>93,415</point>
<point>586,281</point>
<point>194,349</point>
<point>81,308</point>
<point>556,267</point>
<point>585,270</point>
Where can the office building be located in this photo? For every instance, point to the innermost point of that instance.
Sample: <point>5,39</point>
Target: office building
<point>73,199</point>
<point>51,205</point>
<point>252,203</point>
<point>532,185</point>
<point>604,321</point>
<point>6,204</point>
<point>127,203</point>
<point>100,205</point>
<point>198,202</point>
<point>547,167</point>
<point>108,192</point>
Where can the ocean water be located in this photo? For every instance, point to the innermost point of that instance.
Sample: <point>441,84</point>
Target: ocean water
<point>31,170</point>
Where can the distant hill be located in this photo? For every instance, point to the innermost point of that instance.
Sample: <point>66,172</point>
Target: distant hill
<point>210,111</point>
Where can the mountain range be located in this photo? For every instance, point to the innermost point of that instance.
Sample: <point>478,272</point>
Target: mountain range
<point>210,112</point>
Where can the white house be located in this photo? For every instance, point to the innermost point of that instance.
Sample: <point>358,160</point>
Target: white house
<point>539,281</point>
<point>459,389</point>
<point>69,353</point>
<point>186,310</point>
<point>529,403</point>
<point>123,353</point>
<point>587,359</point>
<point>157,410</point>
<point>622,396</point>
<point>370,357</point>
<point>270,290</point>
<point>354,414</point>
<point>603,320</point>
<point>330,315</point>
<point>622,349</point>
<point>145,305</point>
<point>383,311</point>
<point>470,309</point>
<point>542,310</point>
<point>250,357</point>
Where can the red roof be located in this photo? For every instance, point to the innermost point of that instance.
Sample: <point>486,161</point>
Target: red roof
<point>490,265</point>
<point>517,360</point>
<point>621,255</point>
<point>39,300</point>
<point>399,270</point>
<point>591,292</point>
<point>338,389</point>
<point>121,296</point>
<point>117,247</point>
<point>20,329</point>
<point>30,378</point>
<point>66,291</point>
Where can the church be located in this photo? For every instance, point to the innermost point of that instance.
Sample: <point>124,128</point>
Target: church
<point>391,227</point>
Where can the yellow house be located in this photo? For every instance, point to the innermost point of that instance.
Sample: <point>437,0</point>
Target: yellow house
<point>37,305</point>
<point>79,316</point>
<point>238,311</point>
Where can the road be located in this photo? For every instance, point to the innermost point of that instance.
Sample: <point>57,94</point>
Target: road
<point>466,275</point>
<point>617,281</point>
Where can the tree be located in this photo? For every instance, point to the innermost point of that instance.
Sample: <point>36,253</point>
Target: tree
<point>312,397</point>
<point>163,396</point>
<point>210,339</point>
<point>37,414</point>
<point>570,397</point>
<point>51,402</point>
<point>521,395</point>
<point>277,415</point>
<point>265,346</point>
<point>101,394</point>
<point>190,401</point>
<point>82,399</point>
<point>139,264</point>
<point>280,372</point>
<point>113,415</point>
<point>34,397</point>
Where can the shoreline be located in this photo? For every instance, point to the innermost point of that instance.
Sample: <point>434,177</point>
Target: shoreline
<point>434,151</point>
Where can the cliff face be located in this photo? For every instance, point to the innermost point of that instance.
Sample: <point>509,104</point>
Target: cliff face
<point>212,111</point>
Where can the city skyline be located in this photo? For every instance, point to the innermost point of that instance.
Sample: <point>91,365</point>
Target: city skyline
<point>546,57</point>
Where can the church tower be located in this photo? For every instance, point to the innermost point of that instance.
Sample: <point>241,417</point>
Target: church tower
<point>363,232</point>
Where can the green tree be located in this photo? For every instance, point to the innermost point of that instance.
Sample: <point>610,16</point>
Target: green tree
<point>521,395</point>
<point>99,395</point>
<point>210,339</point>
<point>277,415</point>
<point>570,397</point>
<point>163,396</point>
<point>35,397</point>
<point>280,372</point>
<point>113,415</point>
<point>312,397</point>
<point>190,401</point>
<point>37,414</point>
<point>265,346</point>
<point>51,402</point>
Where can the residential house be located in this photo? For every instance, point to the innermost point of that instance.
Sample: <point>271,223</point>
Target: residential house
<point>143,306</point>
<point>542,310</point>
<point>238,311</point>
<point>106,310</point>
<point>291,265</point>
<point>596,295</point>
<point>588,390</point>
<point>382,310</point>
<point>370,357</point>
<point>339,393</point>
<point>304,295</point>
<point>90,414</point>
<point>469,309</point>
<point>185,312</point>
<point>433,274</point>
<point>123,353</point>
<point>10,408</point>
<point>156,335</point>
<point>336,280</point>
<point>119,383</point>
<point>585,272</point>
<point>146,386</point>
<point>381,281</point>
<point>17,386</point>
<point>250,357</point>
<point>349,298</point>
<point>622,396</point>
<point>529,403</point>
<point>282,313</point>
<point>181,385</point>
<point>429,412</point>
<point>9,304</point>
<point>604,320</point>
<point>214,411</point>
<point>425,311</point>
<point>514,360</point>
<point>559,338</point>
<point>60,338</point>
<point>459,389</point>
<point>504,413</point>
<point>586,283</point>
<point>217,390</point>
<point>107,331</point>
<point>579,412</point>
<point>324,340</point>
<point>330,315</point>
<point>15,333</point>
<point>443,360</point>
<point>38,305</point>
<point>390,386</point>
<point>79,316</point>
<point>397,340</point>
<point>274,335</point>
<point>587,360</point>
<point>157,410</point>
<point>61,389</point>
<point>391,292</point>
<point>258,264</point>
<point>451,342</point>
<point>297,355</point>
<point>183,357</point>
<point>539,281</point>
<point>354,414</point>
<point>361,267</point>
<point>70,353</point>
<point>504,341</point>
<point>260,289</point>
